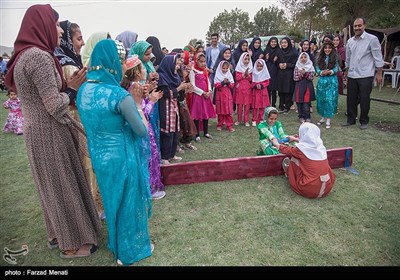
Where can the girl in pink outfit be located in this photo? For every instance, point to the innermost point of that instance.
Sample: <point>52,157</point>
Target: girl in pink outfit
<point>224,83</point>
<point>243,93</point>
<point>201,108</point>
<point>260,82</point>
<point>15,120</point>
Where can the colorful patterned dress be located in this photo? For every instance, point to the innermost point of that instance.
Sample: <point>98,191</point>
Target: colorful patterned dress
<point>15,120</point>
<point>267,133</point>
<point>154,163</point>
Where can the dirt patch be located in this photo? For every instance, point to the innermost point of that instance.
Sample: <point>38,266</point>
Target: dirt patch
<point>392,127</point>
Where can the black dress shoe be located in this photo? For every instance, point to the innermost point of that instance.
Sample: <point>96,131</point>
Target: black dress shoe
<point>348,124</point>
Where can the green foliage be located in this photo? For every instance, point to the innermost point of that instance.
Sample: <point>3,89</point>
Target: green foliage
<point>195,42</point>
<point>319,16</point>
<point>269,21</point>
<point>231,26</point>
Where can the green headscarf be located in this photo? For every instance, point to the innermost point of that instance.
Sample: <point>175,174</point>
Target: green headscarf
<point>105,64</point>
<point>91,43</point>
<point>139,48</point>
<point>268,110</point>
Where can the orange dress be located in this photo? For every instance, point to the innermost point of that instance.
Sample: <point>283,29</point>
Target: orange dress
<point>308,178</point>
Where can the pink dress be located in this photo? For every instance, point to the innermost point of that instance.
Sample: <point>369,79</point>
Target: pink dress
<point>201,107</point>
<point>15,120</point>
<point>260,96</point>
<point>223,99</point>
<point>243,92</point>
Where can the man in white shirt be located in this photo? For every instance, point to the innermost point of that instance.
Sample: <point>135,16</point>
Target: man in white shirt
<point>363,57</point>
<point>212,53</point>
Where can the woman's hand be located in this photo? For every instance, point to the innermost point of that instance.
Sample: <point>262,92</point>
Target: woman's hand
<point>77,79</point>
<point>155,95</point>
<point>189,88</point>
<point>153,76</point>
<point>137,93</point>
<point>293,138</point>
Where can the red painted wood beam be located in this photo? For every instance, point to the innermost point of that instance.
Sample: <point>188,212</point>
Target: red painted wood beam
<point>239,168</point>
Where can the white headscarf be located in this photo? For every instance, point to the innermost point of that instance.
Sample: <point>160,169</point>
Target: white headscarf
<point>308,66</point>
<point>310,142</point>
<point>260,76</point>
<point>220,76</point>
<point>241,67</point>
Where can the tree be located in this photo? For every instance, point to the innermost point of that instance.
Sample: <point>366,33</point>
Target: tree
<point>195,42</point>
<point>328,15</point>
<point>269,21</point>
<point>231,26</point>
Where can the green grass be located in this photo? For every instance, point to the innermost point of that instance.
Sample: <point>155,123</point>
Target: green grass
<point>244,222</point>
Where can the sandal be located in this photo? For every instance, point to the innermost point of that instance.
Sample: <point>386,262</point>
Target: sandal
<point>84,251</point>
<point>321,121</point>
<point>52,244</point>
<point>190,147</point>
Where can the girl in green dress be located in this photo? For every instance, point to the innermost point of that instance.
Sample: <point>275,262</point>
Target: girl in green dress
<point>269,129</point>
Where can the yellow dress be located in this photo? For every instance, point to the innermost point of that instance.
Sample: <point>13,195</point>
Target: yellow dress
<point>68,71</point>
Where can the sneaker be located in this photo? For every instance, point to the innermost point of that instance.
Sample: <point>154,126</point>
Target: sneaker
<point>364,126</point>
<point>165,162</point>
<point>190,147</point>
<point>237,123</point>
<point>158,195</point>
<point>175,158</point>
<point>347,124</point>
<point>231,129</point>
<point>254,124</point>
<point>219,128</point>
<point>197,139</point>
<point>207,135</point>
<point>308,120</point>
<point>247,124</point>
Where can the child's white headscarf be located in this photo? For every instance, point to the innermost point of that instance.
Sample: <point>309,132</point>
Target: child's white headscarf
<point>308,66</point>
<point>260,76</point>
<point>310,142</point>
<point>220,76</point>
<point>241,67</point>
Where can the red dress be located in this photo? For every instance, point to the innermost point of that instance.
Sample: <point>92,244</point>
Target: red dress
<point>308,178</point>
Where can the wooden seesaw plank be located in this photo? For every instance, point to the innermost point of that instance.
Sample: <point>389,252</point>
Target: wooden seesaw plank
<point>239,168</point>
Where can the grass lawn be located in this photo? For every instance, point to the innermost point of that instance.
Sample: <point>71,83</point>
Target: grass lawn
<point>253,222</point>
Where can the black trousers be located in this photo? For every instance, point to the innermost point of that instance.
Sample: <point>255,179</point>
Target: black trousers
<point>303,110</point>
<point>285,100</point>
<point>169,144</point>
<point>359,91</point>
<point>272,97</point>
<point>205,127</point>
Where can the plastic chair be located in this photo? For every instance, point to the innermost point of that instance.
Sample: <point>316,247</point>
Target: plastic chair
<point>393,72</point>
